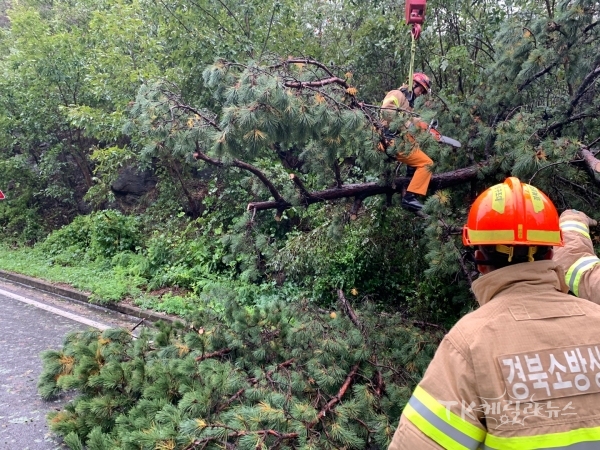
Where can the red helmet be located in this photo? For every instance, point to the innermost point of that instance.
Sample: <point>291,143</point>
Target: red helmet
<point>513,213</point>
<point>422,80</point>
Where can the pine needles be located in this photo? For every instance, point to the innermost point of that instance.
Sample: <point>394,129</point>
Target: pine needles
<point>278,377</point>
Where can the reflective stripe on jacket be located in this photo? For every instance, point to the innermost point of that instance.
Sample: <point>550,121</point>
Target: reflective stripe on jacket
<point>394,100</point>
<point>520,372</point>
<point>580,439</point>
<point>577,270</point>
<point>577,257</point>
<point>438,423</point>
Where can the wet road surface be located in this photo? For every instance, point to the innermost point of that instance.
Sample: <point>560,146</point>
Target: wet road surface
<point>25,331</point>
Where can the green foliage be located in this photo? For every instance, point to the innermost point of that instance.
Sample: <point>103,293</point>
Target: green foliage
<point>92,87</point>
<point>100,235</point>
<point>229,376</point>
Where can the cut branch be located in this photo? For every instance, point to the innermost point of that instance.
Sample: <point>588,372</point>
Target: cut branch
<point>201,443</point>
<point>338,397</point>
<point>355,208</point>
<point>348,310</point>
<point>592,163</point>
<point>213,354</point>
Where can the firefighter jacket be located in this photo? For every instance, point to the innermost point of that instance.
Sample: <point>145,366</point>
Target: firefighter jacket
<point>520,372</point>
<point>577,257</point>
<point>395,99</point>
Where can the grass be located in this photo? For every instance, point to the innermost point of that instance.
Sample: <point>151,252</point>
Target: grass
<point>97,278</point>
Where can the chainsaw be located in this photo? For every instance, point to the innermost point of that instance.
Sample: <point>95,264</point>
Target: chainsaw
<point>432,129</point>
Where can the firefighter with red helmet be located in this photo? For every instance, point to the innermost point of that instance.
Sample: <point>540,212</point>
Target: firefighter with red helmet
<point>523,370</point>
<point>416,160</point>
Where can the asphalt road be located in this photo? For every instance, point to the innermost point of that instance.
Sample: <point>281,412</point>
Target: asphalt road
<point>30,322</point>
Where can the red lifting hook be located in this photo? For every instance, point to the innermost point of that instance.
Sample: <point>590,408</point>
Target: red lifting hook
<point>416,31</point>
<point>415,15</point>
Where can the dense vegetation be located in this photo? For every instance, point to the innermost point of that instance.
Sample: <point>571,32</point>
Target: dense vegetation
<point>190,156</point>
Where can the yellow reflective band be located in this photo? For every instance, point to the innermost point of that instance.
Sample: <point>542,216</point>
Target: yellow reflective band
<point>573,225</point>
<point>576,271</point>
<point>394,100</point>
<point>536,198</point>
<point>430,431</point>
<point>550,440</point>
<point>444,413</point>
<point>498,198</point>
<point>491,237</point>
<point>547,237</point>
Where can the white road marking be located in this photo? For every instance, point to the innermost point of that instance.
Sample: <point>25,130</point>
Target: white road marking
<point>60,312</point>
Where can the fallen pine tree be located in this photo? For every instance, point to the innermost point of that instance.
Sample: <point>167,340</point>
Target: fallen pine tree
<point>278,377</point>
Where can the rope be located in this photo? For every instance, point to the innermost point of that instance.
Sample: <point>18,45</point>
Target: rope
<point>413,50</point>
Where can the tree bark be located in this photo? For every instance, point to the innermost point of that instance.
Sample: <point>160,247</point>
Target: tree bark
<point>363,190</point>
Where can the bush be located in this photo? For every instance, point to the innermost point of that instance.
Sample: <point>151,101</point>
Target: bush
<point>100,235</point>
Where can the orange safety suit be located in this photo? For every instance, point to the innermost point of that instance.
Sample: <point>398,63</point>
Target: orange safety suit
<point>520,372</point>
<point>416,157</point>
<point>577,257</point>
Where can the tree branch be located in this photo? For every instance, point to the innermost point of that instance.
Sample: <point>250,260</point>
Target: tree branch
<point>590,26</point>
<point>571,119</point>
<point>242,165</point>
<point>338,397</point>
<point>592,163</point>
<point>438,181</point>
<point>300,185</point>
<point>349,311</point>
<point>212,123</point>
<point>583,87</point>
<point>319,83</point>
<point>536,76</point>
<point>213,354</point>
<point>355,208</point>
<point>307,61</point>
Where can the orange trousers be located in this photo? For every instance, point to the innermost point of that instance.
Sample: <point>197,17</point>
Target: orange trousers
<point>417,158</point>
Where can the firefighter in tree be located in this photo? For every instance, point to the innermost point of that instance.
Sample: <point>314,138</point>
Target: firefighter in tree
<point>523,370</point>
<point>416,160</point>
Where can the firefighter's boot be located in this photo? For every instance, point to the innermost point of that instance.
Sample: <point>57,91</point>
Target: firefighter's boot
<point>410,202</point>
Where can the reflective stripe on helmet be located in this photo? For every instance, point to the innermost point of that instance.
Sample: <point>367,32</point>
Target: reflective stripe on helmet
<point>574,225</point>
<point>440,424</point>
<point>540,237</point>
<point>543,236</point>
<point>490,236</point>
<point>577,270</point>
<point>580,439</point>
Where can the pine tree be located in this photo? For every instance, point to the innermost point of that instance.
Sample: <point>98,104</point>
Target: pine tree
<point>279,377</point>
